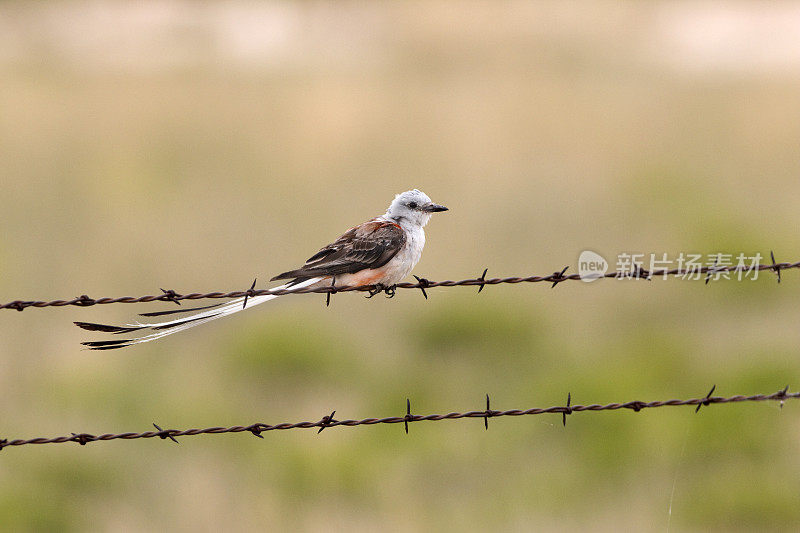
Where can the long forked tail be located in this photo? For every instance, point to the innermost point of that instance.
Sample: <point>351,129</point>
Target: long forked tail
<point>162,329</point>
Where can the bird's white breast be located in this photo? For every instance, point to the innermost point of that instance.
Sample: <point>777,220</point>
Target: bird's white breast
<point>407,258</point>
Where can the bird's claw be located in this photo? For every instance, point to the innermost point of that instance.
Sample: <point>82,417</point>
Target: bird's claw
<point>379,288</point>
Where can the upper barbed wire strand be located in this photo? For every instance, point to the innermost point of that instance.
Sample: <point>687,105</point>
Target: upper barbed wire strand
<point>555,278</point>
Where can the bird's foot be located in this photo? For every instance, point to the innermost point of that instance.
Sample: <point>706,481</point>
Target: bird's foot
<point>390,291</point>
<point>377,290</point>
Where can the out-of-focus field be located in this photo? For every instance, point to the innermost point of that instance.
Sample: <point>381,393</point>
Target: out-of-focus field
<point>194,146</point>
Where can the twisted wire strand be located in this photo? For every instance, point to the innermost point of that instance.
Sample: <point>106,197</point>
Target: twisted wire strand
<point>329,421</point>
<point>422,284</point>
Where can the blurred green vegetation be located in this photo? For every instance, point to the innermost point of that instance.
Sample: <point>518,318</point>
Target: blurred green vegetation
<point>205,160</point>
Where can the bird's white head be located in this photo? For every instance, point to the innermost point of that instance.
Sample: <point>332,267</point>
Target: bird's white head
<point>412,207</point>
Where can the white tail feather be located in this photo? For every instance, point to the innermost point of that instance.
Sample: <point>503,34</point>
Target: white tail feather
<point>173,326</point>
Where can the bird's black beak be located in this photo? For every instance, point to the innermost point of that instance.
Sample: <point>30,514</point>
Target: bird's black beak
<point>434,208</point>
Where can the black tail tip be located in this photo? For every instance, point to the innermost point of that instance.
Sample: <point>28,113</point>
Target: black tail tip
<point>106,345</point>
<point>105,328</point>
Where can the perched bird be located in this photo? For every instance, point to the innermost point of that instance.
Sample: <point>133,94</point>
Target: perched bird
<point>379,252</point>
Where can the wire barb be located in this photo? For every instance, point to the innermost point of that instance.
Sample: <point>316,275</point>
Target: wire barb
<point>331,291</point>
<point>84,301</point>
<point>489,412</point>
<point>782,395</point>
<point>482,279</point>
<point>635,405</point>
<point>165,433</point>
<point>642,273</point>
<point>712,270</point>
<point>423,284</point>
<point>250,293</point>
<point>170,296</point>
<point>17,304</point>
<point>706,400</point>
<point>326,422</point>
<point>558,277</point>
<point>567,410</point>
<point>256,430</point>
<point>409,417</point>
<point>775,265</point>
<point>83,438</point>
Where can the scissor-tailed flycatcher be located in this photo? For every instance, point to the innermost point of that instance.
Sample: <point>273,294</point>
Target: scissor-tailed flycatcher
<point>379,252</point>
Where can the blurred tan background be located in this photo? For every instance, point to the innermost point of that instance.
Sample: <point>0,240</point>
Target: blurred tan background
<point>196,145</point>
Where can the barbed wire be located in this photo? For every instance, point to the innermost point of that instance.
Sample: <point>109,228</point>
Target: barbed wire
<point>329,421</point>
<point>637,272</point>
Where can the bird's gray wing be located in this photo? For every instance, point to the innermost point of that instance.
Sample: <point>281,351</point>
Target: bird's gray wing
<point>369,245</point>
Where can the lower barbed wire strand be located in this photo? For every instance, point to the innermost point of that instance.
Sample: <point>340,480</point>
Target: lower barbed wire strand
<point>259,427</point>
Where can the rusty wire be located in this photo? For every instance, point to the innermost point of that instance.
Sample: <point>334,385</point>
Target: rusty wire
<point>555,278</point>
<point>328,421</point>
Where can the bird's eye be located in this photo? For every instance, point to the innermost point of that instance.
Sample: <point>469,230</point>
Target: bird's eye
<point>413,205</point>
